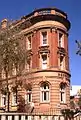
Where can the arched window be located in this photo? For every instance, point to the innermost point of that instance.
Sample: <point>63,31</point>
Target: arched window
<point>44,96</point>
<point>63,93</point>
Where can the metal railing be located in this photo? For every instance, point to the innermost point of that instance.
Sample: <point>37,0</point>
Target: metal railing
<point>25,116</point>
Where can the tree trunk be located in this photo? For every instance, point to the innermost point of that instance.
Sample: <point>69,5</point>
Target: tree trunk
<point>8,94</point>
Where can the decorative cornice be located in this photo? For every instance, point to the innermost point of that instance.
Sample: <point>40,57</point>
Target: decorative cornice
<point>48,17</point>
<point>44,50</point>
<point>61,51</point>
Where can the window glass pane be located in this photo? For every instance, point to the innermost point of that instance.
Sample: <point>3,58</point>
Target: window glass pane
<point>3,100</point>
<point>29,42</point>
<point>44,61</point>
<point>61,41</point>
<point>14,98</point>
<point>28,97</point>
<point>45,92</point>
<point>44,37</point>
<point>44,86</point>
<point>47,95</point>
<point>62,93</point>
<point>44,95</point>
<point>61,62</point>
<point>61,97</point>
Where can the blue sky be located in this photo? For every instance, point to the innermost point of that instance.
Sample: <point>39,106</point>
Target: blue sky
<point>14,9</point>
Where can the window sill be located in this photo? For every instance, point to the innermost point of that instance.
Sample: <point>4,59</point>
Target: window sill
<point>45,102</point>
<point>63,102</point>
<point>44,45</point>
<point>14,105</point>
<point>2,108</point>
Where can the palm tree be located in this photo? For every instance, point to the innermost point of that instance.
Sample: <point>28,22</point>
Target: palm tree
<point>12,54</point>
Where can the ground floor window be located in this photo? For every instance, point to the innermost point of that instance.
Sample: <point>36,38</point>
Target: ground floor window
<point>3,100</point>
<point>44,92</point>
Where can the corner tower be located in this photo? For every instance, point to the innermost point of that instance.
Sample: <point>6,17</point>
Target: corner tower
<point>47,72</point>
<point>46,32</point>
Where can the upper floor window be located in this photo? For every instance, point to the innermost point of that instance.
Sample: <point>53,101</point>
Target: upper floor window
<point>44,61</point>
<point>44,92</point>
<point>60,40</point>
<point>44,38</point>
<point>61,62</point>
<point>62,93</point>
<point>28,42</point>
<point>28,65</point>
<point>3,100</point>
<point>28,96</point>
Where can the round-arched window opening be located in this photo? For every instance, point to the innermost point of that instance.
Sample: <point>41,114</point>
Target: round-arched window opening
<point>45,93</point>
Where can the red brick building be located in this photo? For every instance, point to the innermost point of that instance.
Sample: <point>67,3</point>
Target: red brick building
<point>47,69</point>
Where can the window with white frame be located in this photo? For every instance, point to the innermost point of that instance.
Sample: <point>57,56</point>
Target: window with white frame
<point>3,100</point>
<point>29,42</point>
<point>44,96</point>
<point>44,38</point>
<point>62,93</point>
<point>60,40</point>
<point>28,65</point>
<point>61,62</point>
<point>28,96</point>
<point>44,61</point>
<point>14,98</point>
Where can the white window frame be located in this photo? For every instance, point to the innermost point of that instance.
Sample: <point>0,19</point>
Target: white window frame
<point>28,96</point>
<point>44,62</point>
<point>61,62</point>
<point>14,98</point>
<point>63,94</point>
<point>28,65</point>
<point>44,39</point>
<point>3,100</point>
<point>44,93</point>
<point>29,42</point>
<point>60,40</point>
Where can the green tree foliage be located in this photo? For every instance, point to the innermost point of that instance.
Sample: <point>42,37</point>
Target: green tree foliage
<point>12,53</point>
<point>68,114</point>
<point>72,104</point>
<point>79,102</point>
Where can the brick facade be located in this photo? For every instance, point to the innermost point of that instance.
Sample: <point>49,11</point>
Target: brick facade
<point>53,22</point>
